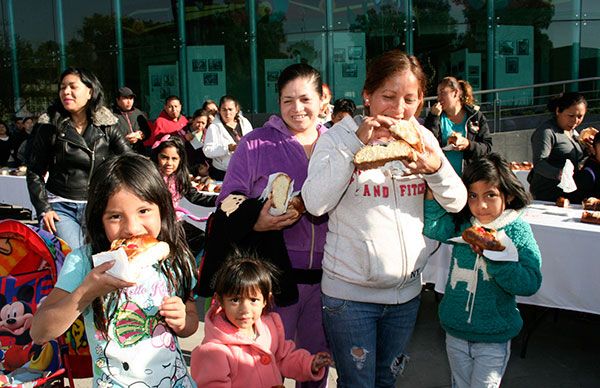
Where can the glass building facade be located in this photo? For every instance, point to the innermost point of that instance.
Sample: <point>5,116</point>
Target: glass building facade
<point>200,49</point>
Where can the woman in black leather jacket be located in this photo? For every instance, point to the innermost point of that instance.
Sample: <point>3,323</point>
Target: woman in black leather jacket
<point>454,113</point>
<point>73,137</point>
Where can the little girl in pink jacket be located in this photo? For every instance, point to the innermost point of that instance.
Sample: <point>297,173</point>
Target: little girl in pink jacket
<point>243,347</point>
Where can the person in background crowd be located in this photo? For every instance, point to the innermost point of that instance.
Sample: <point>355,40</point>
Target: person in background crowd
<point>375,250</point>
<point>455,120</point>
<point>553,143</point>
<point>587,178</point>
<point>326,107</point>
<point>212,108</point>
<point>170,158</point>
<point>293,240</point>
<point>342,107</point>
<point>223,136</point>
<point>74,136</point>
<point>24,150</point>
<point>19,140</point>
<point>5,145</point>
<point>194,135</point>
<point>169,121</point>
<point>16,126</point>
<point>133,123</point>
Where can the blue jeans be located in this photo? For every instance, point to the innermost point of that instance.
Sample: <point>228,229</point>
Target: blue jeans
<point>476,364</point>
<point>70,226</point>
<point>368,340</point>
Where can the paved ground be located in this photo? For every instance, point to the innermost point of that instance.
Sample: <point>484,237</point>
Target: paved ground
<point>564,351</point>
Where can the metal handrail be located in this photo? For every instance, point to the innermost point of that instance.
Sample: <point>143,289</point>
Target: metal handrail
<point>496,110</point>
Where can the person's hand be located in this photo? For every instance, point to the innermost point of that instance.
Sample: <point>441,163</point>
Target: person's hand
<point>173,310</point>
<point>476,249</point>
<point>134,137</point>
<point>188,136</point>
<point>427,162</point>
<point>320,360</point>
<point>436,109</point>
<point>49,219</point>
<point>267,222</point>
<point>373,128</point>
<point>462,143</point>
<point>99,283</point>
<point>232,147</point>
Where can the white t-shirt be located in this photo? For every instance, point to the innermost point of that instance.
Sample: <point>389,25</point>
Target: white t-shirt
<point>141,350</point>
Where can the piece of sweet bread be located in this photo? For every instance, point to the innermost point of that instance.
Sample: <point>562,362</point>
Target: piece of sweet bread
<point>376,155</point>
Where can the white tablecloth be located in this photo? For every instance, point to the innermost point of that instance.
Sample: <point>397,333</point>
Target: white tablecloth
<point>570,260</point>
<point>522,175</point>
<point>13,191</point>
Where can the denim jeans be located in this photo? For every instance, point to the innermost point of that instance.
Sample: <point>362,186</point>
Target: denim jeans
<point>476,364</point>
<point>70,226</point>
<point>368,340</point>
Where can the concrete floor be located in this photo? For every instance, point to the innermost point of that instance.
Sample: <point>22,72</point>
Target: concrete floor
<point>563,351</point>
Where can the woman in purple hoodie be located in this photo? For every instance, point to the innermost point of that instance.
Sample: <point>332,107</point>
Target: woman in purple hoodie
<point>292,241</point>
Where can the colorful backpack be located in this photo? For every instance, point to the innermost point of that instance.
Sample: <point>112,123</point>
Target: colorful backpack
<point>30,259</point>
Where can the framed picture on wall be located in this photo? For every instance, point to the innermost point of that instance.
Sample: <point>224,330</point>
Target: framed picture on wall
<point>211,79</point>
<point>349,70</point>
<point>339,55</point>
<point>272,76</point>
<point>507,47</point>
<point>355,52</point>
<point>523,47</point>
<point>198,65</point>
<point>512,65</point>
<point>215,65</point>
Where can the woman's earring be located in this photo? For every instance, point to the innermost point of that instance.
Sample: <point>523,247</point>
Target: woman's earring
<point>366,102</point>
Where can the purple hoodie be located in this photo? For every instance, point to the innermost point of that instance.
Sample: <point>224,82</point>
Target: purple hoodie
<point>265,151</point>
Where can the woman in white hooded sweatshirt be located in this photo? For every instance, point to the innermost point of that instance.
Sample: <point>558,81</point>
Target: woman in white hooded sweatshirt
<point>375,251</point>
<point>223,136</point>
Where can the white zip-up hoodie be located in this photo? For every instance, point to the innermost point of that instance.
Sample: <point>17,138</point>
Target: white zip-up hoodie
<point>375,251</point>
<point>217,140</point>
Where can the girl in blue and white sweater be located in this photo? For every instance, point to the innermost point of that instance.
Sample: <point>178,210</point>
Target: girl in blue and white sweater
<point>479,311</point>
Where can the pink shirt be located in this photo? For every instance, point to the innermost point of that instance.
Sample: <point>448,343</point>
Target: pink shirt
<point>228,359</point>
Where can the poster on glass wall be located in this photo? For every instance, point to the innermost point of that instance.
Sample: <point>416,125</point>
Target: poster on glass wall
<point>512,65</point>
<point>355,52</point>
<point>164,82</point>
<point>339,55</point>
<point>523,47</point>
<point>507,47</point>
<point>206,70</point>
<point>198,65</point>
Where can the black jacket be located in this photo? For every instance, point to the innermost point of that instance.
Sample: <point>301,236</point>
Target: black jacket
<point>133,121</point>
<point>69,158</point>
<point>228,233</point>
<point>478,133</point>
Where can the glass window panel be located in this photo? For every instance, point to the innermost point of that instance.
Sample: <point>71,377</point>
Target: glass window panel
<point>90,36</point>
<point>590,9</point>
<point>218,52</point>
<point>287,32</point>
<point>37,55</point>
<point>150,50</point>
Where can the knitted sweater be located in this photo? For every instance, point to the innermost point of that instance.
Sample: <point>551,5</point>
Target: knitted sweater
<point>483,308</point>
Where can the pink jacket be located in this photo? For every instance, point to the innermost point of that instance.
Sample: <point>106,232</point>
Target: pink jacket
<point>228,359</point>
